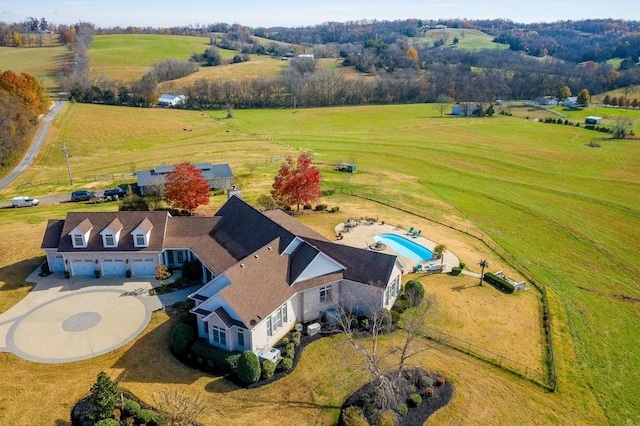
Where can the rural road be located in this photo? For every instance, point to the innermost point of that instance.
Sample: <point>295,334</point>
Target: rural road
<point>36,144</point>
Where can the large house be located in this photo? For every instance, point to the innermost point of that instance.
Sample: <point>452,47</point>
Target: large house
<point>263,271</point>
<point>219,176</point>
<point>171,100</point>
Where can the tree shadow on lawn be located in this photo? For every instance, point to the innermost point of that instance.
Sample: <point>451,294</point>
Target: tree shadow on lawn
<point>149,360</point>
<point>15,275</point>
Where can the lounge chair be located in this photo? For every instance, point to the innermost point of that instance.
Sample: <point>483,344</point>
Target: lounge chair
<point>417,234</point>
<point>410,231</point>
<point>419,267</point>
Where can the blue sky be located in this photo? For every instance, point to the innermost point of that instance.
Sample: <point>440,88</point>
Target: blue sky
<point>164,13</point>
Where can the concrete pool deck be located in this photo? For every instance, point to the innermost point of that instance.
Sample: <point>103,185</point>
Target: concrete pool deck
<point>361,236</point>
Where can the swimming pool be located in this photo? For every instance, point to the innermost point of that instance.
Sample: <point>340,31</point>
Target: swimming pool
<point>404,246</point>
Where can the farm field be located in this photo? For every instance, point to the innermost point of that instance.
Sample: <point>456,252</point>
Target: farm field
<point>469,39</point>
<point>568,212</point>
<point>42,62</point>
<point>127,57</point>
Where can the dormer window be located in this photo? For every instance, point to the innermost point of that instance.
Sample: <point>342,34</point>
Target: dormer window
<point>111,234</point>
<point>142,233</point>
<point>141,240</point>
<point>78,241</point>
<point>80,234</point>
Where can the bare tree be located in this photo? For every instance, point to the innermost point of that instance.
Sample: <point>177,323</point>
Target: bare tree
<point>621,127</point>
<point>483,264</point>
<point>182,409</point>
<point>442,103</point>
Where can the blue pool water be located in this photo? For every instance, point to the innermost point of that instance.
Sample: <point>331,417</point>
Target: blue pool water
<point>404,246</point>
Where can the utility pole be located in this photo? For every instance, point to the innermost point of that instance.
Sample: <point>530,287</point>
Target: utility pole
<point>66,157</point>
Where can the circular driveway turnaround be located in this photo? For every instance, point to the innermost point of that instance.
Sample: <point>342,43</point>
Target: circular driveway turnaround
<point>79,326</point>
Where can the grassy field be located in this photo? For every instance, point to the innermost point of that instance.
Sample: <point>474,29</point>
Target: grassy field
<point>469,39</point>
<point>128,57</point>
<point>42,62</point>
<point>568,212</point>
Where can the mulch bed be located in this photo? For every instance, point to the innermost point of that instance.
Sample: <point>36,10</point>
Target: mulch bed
<point>416,416</point>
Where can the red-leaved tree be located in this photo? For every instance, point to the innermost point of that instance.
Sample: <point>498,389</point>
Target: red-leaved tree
<point>297,182</point>
<point>186,188</point>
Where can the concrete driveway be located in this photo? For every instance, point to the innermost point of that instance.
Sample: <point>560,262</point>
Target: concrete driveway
<point>64,320</point>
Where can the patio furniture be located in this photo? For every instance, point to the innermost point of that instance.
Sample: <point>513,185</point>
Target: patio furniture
<point>417,234</point>
<point>419,267</point>
<point>410,231</point>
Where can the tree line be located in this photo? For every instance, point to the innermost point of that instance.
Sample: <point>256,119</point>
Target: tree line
<point>22,100</point>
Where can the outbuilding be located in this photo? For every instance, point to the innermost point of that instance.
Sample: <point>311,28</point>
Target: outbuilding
<point>592,119</point>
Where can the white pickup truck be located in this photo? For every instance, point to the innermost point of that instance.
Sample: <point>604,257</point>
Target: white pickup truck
<point>24,201</point>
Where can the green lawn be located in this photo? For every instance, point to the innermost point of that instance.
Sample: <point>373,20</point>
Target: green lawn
<point>570,213</point>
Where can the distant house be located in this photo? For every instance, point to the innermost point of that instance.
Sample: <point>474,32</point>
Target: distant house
<point>306,56</point>
<point>219,176</point>
<point>571,102</point>
<point>169,100</point>
<point>440,27</point>
<point>547,100</point>
<point>593,120</point>
<point>464,109</point>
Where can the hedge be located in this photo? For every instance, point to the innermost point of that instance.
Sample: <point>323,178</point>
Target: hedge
<point>502,284</point>
<point>181,337</point>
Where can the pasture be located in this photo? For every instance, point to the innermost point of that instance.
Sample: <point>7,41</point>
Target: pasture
<point>566,211</point>
<point>42,62</point>
<point>468,39</point>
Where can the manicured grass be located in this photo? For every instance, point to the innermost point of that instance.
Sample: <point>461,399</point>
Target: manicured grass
<point>42,62</point>
<point>566,211</point>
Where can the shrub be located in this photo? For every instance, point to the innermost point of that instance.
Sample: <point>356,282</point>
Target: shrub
<point>395,317</point>
<point>430,391</point>
<point>231,362</point>
<point>415,399</point>
<point>440,381</point>
<point>116,414</point>
<point>296,338</point>
<point>130,407</point>
<point>104,396</point>
<point>108,422</point>
<point>249,367</point>
<point>178,280</point>
<point>401,305</point>
<point>425,381</point>
<point>182,337</point>
<point>291,350</point>
<point>211,363</point>
<point>414,292</point>
<point>462,265</point>
<point>456,270</point>
<point>97,273</point>
<point>44,268</point>
<point>200,360</point>
<point>402,409</point>
<point>334,209</point>
<point>306,207</point>
<point>386,418</point>
<point>128,273</point>
<point>145,416</point>
<point>286,364</point>
<point>268,368</point>
<point>321,207</point>
<point>67,274</point>
<point>162,272</point>
<point>285,341</point>
<point>226,361</point>
<point>353,416</point>
<point>498,282</point>
<point>328,192</point>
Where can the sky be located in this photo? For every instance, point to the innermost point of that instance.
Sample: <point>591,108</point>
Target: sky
<point>295,13</point>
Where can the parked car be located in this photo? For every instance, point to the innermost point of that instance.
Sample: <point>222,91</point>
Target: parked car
<point>83,195</point>
<point>24,201</point>
<point>116,192</point>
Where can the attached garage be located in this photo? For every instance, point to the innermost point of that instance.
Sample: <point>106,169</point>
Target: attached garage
<point>57,263</point>
<point>143,266</point>
<point>114,267</point>
<point>82,267</point>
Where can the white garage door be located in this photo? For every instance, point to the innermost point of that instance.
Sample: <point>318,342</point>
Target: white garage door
<point>114,267</point>
<point>143,266</point>
<point>83,267</point>
<point>57,264</point>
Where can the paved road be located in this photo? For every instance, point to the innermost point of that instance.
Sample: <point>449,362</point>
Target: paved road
<point>36,144</point>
